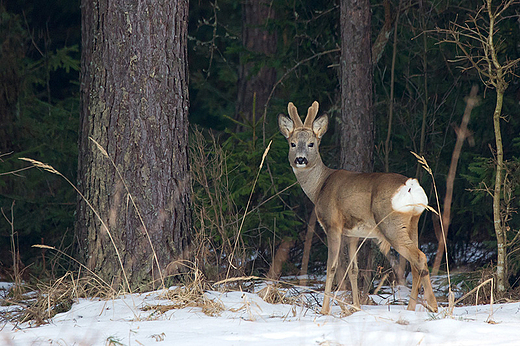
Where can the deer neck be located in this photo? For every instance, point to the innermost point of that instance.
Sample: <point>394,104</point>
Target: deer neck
<point>312,178</point>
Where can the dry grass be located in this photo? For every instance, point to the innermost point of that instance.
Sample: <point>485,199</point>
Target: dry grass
<point>274,294</point>
<point>51,169</point>
<point>215,212</point>
<point>37,305</point>
<point>191,294</point>
<point>424,164</point>
<point>220,251</point>
<point>15,252</point>
<point>47,299</point>
<point>482,293</point>
<point>105,227</point>
<point>247,207</point>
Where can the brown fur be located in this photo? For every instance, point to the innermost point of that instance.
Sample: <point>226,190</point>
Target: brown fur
<point>358,205</point>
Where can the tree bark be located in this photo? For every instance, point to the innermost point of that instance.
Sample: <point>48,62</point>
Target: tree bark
<point>501,85</point>
<point>134,103</point>
<point>356,122</point>
<point>497,196</point>
<point>254,87</point>
<point>10,80</point>
<point>391,101</point>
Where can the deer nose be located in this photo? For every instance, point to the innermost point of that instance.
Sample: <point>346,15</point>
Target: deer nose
<point>301,161</point>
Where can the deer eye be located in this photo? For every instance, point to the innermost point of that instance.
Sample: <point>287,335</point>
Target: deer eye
<point>293,145</point>
<point>311,145</point>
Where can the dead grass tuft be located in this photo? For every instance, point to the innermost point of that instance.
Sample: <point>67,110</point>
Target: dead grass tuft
<point>215,212</point>
<point>482,293</point>
<point>41,303</point>
<point>273,294</point>
<point>191,294</point>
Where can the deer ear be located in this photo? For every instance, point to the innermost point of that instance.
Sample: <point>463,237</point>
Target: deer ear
<point>320,125</point>
<point>286,125</point>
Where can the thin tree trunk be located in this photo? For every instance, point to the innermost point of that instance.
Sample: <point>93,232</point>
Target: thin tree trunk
<point>501,86</point>
<point>134,103</point>
<point>356,119</point>
<point>356,122</point>
<point>254,88</point>
<point>11,81</point>
<point>426,95</point>
<point>391,101</point>
<point>497,220</point>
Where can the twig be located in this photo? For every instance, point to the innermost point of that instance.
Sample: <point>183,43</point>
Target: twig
<point>16,171</point>
<point>462,132</point>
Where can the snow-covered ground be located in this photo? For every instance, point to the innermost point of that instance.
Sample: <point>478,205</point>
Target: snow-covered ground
<point>246,319</point>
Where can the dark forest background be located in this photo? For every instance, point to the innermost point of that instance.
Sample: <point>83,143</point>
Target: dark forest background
<point>39,118</point>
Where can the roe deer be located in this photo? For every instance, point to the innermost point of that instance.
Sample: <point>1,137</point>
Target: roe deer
<point>384,206</point>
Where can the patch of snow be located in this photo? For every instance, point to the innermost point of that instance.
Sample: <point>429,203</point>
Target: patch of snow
<point>249,320</point>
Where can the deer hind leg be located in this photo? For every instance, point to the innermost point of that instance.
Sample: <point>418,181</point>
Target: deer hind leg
<point>416,277</point>
<point>420,275</point>
<point>353,269</point>
<point>414,294</point>
<point>431,301</point>
<point>334,245</point>
<point>406,243</point>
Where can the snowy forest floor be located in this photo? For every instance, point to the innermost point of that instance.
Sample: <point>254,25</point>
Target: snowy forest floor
<point>241,318</point>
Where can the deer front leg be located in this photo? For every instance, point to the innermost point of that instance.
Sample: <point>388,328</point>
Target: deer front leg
<point>334,245</point>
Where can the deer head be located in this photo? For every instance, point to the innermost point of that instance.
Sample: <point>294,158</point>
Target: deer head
<point>304,138</point>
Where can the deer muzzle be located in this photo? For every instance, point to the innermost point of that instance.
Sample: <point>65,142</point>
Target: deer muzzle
<point>301,161</point>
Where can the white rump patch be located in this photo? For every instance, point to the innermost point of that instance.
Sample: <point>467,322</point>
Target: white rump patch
<point>410,198</point>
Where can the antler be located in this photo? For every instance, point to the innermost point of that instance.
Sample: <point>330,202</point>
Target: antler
<point>311,114</point>
<point>293,113</point>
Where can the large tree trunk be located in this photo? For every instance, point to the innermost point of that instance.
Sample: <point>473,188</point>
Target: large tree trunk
<point>356,123</point>
<point>134,103</point>
<point>254,86</point>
